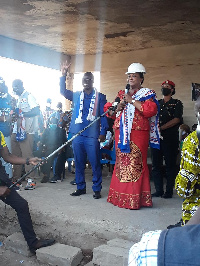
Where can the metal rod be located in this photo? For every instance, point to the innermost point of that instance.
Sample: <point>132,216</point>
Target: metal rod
<point>57,150</point>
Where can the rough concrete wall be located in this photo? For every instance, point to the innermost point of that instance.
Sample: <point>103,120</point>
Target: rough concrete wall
<point>177,63</point>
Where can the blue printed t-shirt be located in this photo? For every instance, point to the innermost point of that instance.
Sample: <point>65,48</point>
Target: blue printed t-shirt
<point>5,109</point>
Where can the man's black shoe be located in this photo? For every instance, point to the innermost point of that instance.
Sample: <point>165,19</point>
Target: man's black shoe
<point>175,225</point>
<point>73,182</point>
<point>41,244</point>
<point>167,196</point>
<point>54,179</point>
<point>156,194</point>
<point>45,179</point>
<point>97,195</point>
<point>78,192</point>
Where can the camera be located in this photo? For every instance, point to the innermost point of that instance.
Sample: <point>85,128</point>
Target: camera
<point>195,91</point>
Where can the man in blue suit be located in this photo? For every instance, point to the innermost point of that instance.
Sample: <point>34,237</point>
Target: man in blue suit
<point>88,105</point>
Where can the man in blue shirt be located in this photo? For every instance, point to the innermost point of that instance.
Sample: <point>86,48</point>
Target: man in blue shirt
<point>88,105</point>
<point>5,121</point>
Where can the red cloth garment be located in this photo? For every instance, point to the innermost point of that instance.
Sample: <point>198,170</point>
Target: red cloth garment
<point>130,185</point>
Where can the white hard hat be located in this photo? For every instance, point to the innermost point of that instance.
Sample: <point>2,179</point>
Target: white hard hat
<point>136,67</point>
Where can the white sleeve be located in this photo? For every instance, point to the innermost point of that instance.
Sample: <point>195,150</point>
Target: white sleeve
<point>145,252</point>
<point>32,101</point>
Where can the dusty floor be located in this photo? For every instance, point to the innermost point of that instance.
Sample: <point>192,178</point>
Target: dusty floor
<point>82,221</point>
<point>9,258</point>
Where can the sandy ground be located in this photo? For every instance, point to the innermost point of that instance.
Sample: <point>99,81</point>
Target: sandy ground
<point>82,221</point>
<point>9,258</point>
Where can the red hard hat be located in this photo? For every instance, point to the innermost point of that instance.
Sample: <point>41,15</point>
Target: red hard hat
<point>168,82</point>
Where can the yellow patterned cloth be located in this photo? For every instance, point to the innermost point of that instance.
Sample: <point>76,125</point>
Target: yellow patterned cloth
<point>188,179</point>
<point>3,143</point>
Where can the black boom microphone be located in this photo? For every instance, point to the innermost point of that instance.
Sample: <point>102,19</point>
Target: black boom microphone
<point>114,105</point>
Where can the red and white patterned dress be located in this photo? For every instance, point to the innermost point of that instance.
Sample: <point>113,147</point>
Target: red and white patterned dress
<point>130,185</point>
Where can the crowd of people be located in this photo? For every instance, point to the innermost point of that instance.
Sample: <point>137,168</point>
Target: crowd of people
<point>26,128</point>
<point>139,121</point>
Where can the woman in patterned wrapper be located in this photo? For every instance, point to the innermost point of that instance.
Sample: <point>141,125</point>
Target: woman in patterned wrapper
<point>136,122</point>
<point>187,181</point>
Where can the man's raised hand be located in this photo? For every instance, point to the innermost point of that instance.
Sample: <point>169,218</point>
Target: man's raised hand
<point>64,67</point>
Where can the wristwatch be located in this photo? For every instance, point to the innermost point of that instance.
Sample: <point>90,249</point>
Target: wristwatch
<point>133,101</point>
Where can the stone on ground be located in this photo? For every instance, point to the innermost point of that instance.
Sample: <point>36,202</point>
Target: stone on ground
<point>114,253</point>
<point>60,254</point>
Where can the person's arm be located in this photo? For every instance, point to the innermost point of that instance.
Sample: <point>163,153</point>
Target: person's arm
<point>121,105</point>
<point>177,117</point>
<point>129,99</point>
<point>149,108</point>
<point>13,159</point>
<point>34,112</point>
<point>195,218</point>
<point>34,108</point>
<point>175,121</point>
<point>187,178</point>
<point>63,91</point>
<point>103,119</point>
<point>65,68</point>
<point>119,101</point>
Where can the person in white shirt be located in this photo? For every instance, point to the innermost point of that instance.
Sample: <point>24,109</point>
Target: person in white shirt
<point>25,128</point>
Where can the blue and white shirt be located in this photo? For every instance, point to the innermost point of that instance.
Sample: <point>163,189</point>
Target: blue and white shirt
<point>5,110</point>
<point>145,252</point>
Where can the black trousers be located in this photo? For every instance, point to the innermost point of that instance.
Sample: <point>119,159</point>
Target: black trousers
<point>20,205</point>
<point>168,151</point>
<point>46,167</point>
<point>60,164</point>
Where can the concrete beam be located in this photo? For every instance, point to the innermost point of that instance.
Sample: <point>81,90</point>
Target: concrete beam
<point>32,54</point>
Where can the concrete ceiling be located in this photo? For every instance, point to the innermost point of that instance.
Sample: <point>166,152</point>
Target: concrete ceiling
<point>95,26</point>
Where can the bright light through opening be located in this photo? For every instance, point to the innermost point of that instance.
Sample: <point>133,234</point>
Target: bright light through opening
<point>77,82</point>
<point>42,82</point>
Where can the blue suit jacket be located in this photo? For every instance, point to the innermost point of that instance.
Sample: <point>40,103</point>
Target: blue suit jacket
<point>98,128</point>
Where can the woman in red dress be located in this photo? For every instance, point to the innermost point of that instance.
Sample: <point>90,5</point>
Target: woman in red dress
<point>136,117</point>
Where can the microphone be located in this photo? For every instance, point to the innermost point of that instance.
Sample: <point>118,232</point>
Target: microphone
<point>127,88</point>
